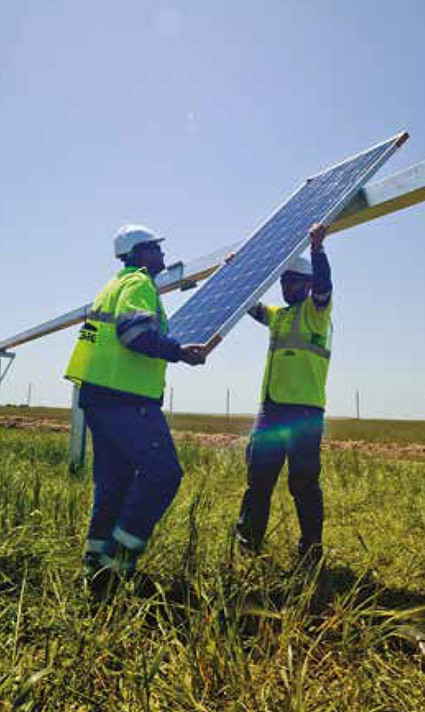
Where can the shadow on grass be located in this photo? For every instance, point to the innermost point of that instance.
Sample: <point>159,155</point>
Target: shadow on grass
<point>19,568</point>
<point>243,602</point>
<point>246,594</point>
<point>390,598</point>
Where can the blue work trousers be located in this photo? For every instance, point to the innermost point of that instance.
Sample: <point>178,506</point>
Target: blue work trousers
<point>283,432</point>
<point>136,474</point>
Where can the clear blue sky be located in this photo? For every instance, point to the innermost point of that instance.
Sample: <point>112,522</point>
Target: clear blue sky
<point>198,119</point>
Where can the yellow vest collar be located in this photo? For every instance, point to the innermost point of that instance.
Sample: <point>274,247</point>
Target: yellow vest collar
<point>129,270</point>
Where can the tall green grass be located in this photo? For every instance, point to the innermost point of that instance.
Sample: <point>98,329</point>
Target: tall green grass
<point>210,628</point>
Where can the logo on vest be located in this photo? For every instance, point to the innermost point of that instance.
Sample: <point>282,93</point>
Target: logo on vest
<point>88,332</point>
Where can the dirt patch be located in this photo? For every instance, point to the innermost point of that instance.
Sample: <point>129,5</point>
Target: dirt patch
<point>393,451</point>
<point>398,451</point>
<point>19,422</point>
<point>218,440</point>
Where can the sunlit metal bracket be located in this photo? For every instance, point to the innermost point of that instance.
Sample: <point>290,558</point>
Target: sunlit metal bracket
<point>399,191</point>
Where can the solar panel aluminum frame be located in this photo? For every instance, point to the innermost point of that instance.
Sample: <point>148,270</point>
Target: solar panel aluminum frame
<point>327,219</point>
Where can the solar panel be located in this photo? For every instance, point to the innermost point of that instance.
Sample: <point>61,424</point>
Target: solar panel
<point>216,307</point>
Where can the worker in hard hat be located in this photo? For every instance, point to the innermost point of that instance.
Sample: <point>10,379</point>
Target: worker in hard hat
<point>290,422</point>
<point>120,361</point>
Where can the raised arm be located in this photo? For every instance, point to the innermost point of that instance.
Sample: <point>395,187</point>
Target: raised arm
<point>321,290</point>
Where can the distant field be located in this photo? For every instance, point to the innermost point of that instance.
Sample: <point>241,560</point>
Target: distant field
<point>399,431</point>
<point>385,431</point>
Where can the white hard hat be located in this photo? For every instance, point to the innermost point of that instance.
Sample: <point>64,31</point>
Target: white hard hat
<point>130,235</point>
<point>300,266</point>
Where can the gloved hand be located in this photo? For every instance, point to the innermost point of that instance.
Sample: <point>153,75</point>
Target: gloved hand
<point>192,354</point>
<point>317,234</point>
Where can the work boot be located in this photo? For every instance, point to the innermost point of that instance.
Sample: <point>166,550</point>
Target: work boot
<point>313,576</point>
<point>143,585</point>
<point>310,557</point>
<point>247,545</point>
<point>102,583</point>
<point>103,574</point>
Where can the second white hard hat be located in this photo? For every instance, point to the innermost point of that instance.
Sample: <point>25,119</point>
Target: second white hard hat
<point>130,235</point>
<point>300,266</point>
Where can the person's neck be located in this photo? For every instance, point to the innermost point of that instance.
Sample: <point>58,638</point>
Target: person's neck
<point>136,265</point>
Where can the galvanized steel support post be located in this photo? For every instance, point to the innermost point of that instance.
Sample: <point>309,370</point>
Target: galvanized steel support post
<point>9,356</point>
<point>77,443</point>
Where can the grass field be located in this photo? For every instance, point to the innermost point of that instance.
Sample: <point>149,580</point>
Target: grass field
<point>212,629</point>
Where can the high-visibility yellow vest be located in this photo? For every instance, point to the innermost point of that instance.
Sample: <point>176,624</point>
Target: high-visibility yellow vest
<point>298,356</point>
<point>99,356</point>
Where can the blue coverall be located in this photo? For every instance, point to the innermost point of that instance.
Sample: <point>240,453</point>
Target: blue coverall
<point>286,431</point>
<point>136,470</point>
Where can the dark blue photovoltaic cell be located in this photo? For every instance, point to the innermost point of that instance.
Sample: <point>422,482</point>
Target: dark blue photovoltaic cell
<point>203,316</point>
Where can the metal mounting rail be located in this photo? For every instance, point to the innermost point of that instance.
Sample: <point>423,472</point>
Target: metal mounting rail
<point>386,196</point>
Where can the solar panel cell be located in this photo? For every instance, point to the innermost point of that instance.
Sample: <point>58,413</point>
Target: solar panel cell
<point>219,304</point>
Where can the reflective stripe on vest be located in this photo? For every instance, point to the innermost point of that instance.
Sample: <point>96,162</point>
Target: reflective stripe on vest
<point>101,316</point>
<point>100,357</point>
<point>107,318</point>
<point>295,339</point>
